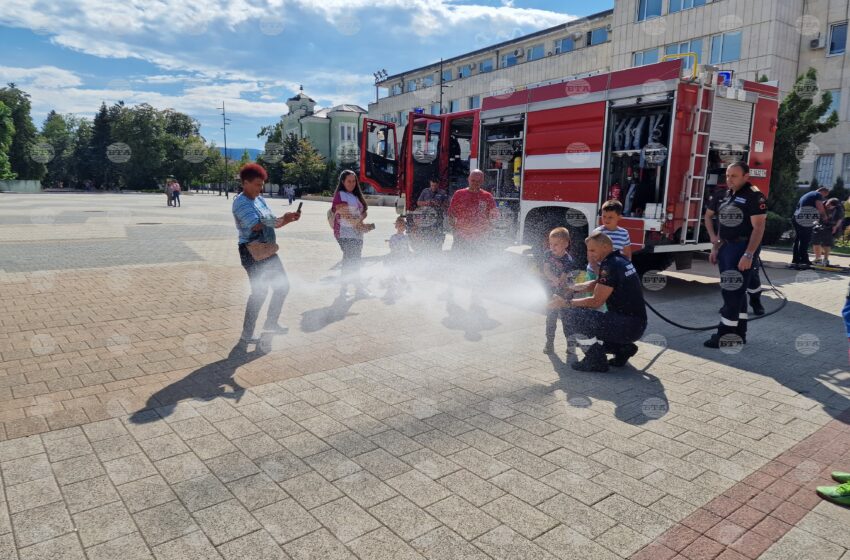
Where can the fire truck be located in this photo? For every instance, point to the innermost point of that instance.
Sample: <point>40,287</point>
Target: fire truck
<point>657,138</point>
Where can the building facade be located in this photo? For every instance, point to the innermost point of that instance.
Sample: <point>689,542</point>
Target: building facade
<point>332,131</point>
<point>775,40</point>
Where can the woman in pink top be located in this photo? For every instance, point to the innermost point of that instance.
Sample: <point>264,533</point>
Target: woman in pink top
<point>349,210</point>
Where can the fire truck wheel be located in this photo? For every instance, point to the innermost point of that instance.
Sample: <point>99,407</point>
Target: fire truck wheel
<point>646,262</point>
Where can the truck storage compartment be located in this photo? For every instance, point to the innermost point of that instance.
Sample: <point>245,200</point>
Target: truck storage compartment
<point>501,160</point>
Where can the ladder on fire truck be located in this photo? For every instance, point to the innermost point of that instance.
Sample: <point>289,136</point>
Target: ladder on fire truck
<point>695,180</point>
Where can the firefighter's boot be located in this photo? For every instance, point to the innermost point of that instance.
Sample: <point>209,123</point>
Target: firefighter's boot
<point>622,354</point>
<point>755,303</point>
<point>742,330</point>
<point>725,336</point>
<point>594,359</point>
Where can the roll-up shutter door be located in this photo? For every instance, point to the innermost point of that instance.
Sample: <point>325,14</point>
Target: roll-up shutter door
<point>731,121</point>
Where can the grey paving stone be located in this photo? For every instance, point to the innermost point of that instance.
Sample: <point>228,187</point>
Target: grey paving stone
<point>26,469</point>
<point>148,430</point>
<point>484,442</point>
<point>332,464</point>
<point>582,466</point>
<point>526,440</point>
<point>318,545</point>
<point>417,487</point>
<point>66,547</point>
<point>431,464</point>
<point>526,462</point>
<point>257,445</point>
<point>279,427</point>
<point>444,544</point>
<point>105,429</point>
<point>576,486</point>
<point>462,517</point>
<point>115,448</point>
<point>216,411</point>
<point>103,524</point>
<point>523,486</point>
<point>146,493</point>
<point>258,545</point>
<point>211,445</point>
<point>282,465</point>
<point>194,545</point>
<point>350,443</point>
<point>479,463</point>
<point>304,444</point>
<point>521,517</point>
<point>311,490</point>
<point>41,523</point>
<point>471,488</point>
<point>256,491</point>
<point>162,447</point>
<point>441,442</point>
<point>226,521</point>
<point>77,469</point>
<point>181,467</point>
<point>628,487</point>
<point>382,464</point>
<point>364,488</point>
<point>563,542</point>
<point>32,494</point>
<point>345,519</point>
<point>405,518</point>
<point>623,541</point>
<point>192,428</point>
<point>502,543</point>
<point>67,448</point>
<point>259,411</point>
<point>232,466</point>
<point>88,494</point>
<point>576,515</point>
<point>20,447</point>
<point>163,523</point>
<point>201,492</point>
<point>322,425</point>
<point>395,442</point>
<point>129,468</point>
<point>236,427</point>
<point>381,544</point>
<point>627,512</point>
<point>128,547</point>
<point>286,520</point>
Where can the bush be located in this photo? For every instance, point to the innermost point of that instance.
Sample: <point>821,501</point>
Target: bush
<point>774,228</point>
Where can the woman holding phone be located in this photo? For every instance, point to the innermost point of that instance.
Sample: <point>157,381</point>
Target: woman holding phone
<point>349,209</point>
<point>258,251</point>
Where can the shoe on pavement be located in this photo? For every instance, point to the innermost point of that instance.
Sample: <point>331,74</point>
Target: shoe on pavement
<point>758,308</point>
<point>276,328</point>
<point>590,365</point>
<point>250,339</point>
<point>836,494</point>
<point>841,477</point>
<point>621,357</point>
<point>549,348</point>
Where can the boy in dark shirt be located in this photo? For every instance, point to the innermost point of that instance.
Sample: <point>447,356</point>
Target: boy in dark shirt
<point>559,271</point>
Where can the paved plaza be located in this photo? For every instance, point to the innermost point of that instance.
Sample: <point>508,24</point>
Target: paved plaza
<point>412,425</point>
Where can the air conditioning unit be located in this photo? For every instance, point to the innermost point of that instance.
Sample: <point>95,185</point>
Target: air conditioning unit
<point>519,51</point>
<point>578,35</point>
<point>550,53</point>
<point>608,27</point>
<point>817,43</point>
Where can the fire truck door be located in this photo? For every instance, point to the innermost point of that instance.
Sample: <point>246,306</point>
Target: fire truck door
<point>378,156</point>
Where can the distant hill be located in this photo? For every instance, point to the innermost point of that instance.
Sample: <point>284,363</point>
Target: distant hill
<point>236,153</point>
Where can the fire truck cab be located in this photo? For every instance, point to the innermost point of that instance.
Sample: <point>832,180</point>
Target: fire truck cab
<point>554,153</point>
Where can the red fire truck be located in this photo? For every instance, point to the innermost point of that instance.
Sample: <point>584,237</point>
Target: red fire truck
<point>554,153</point>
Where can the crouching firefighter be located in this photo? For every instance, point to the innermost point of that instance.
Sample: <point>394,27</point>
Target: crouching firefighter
<point>615,332</point>
<point>741,214</point>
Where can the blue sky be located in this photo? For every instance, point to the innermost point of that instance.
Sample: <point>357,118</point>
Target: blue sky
<point>252,54</point>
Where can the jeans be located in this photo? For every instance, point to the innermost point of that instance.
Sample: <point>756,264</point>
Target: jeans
<point>802,238</point>
<point>263,275</point>
<point>352,250</point>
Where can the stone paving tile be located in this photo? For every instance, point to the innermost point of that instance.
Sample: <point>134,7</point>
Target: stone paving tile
<point>462,517</point>
<point>226,521</point>
<point>211,445</point>
<point>502,543</point>
<point>201,492</point>
<point>563,542</point>
<point>521,517</point>
<point>66,547</point>
<point>103,524</point>
<point>231,467</point>
<point>381,544</point>
<point>67,448</point>
<point>88,494</point>
<point>181,467</point>
<point>311,490</point>
<point>116,448</point>
<point>128,547</point>
<point>345,519</point>
<point>365,489</point>
<point>255,546</point>
<point>129,468</point>
<point>577,516</point>
<point>332,464</point>
<point>282,465</point>
<point>163,523</point>
<point>146,493</point>
<point>256,491</point>
<point>32,494</point>
<point>194,545</point>
<point>417,487</point>
<point>25,469</point>
<point>444,544</point>
<point>163,447</point>
<point>286,520</point>
<point>405,518</point>
<point>471,488</point>
<point>41,523</point>
<point>382,464</point>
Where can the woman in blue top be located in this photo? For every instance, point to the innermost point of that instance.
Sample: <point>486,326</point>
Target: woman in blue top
<point>255,222</point>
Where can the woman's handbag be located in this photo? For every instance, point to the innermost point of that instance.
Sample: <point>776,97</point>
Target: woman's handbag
<point>261,251</point>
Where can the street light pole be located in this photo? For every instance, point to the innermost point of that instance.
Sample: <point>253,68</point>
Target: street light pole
<point>224,122</point>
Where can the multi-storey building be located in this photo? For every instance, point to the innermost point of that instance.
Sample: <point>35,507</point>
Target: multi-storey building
<point>770,39</point>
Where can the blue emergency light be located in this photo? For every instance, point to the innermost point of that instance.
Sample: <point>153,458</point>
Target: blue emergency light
<point>419,110</point>
<point>726,76</point>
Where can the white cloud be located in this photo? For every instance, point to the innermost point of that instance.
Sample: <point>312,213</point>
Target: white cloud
<point>41,76</point>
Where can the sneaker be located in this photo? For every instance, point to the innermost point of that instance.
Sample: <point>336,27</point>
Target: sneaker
<point>275,328</point>
<point>841,477</point>
<point>549,348</point>
<point>621,357</point>
<point>588,365</point>
<point>250,339</point>
<point>758,308</point>
<point>826,262</point>
<point>836,494</point>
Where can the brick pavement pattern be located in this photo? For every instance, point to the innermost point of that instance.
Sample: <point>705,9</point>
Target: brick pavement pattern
<point>411,426</point>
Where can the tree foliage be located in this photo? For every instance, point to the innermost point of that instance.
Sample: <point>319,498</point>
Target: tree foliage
<point>7,132</point>
<point>25,136</point>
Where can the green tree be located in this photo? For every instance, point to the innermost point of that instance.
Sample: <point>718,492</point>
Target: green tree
<point>307,170</point>
<point>839,191</point>
<point>246,158</point>
<point>81,161</point>
<point>25,136</point>
<point>7,131</point>
<point>60,132</point>
<point>800,117</point>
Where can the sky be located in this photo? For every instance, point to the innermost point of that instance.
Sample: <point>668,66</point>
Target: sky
<point>251,55</point>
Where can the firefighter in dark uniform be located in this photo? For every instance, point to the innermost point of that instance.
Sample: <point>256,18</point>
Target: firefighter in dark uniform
<point>741,214</point>
<point>612,332</point>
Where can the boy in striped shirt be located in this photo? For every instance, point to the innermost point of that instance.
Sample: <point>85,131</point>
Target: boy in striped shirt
<point>612,211</point>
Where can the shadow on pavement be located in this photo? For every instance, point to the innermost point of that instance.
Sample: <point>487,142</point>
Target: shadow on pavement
<point>205,383</point>
<point>316,319</point>
<point>471,321</point>
<point>637,396</point>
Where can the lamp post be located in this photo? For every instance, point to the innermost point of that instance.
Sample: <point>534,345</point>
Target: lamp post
<point>380,75</point>
<point>442,85</point>
<point>224,122</point>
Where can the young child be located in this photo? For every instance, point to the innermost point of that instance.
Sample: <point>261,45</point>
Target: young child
<point>612,211</point>
<point>399,252</point>
<point>559,271</point>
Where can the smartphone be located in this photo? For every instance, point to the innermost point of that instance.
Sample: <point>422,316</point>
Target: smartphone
<point>300,204</point>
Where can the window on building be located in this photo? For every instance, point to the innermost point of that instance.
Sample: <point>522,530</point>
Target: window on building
<point>643,58</point>
<point>475,102</point>
<point>565,45</point>
<point>454,105</point>
<point>386,117</point>
<point>648,9</point>
<point>726,47</point>
<point>838,38</point>
<point>834,106</point>
<point>402,118</point>
<point>824,169</point>
<point>428,81</point>
<point>509,60</point>
<point>485,65</point>
<point>396,89</point>
<point>347,132</point>
<point>534,52</point>
<point>693,46</point>
<point>411,85</point>
<point>447,75</point>
<point>679,5</point>
<point>597,36</point>
<point>845,169</point>
<point>435,108</point>
<point>464,71</point>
